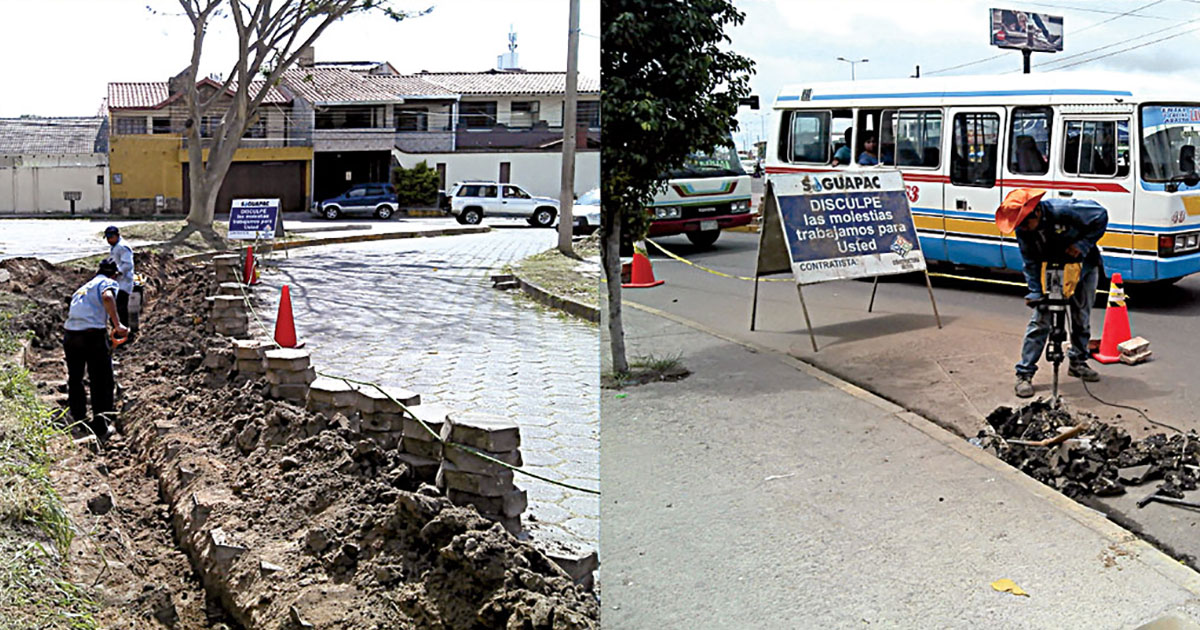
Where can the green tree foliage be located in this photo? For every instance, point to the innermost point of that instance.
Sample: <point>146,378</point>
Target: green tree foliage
<point>671,87</point>
<point>416,186</point>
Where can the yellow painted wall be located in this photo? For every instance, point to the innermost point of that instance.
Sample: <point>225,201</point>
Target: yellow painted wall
<point>149,165</point>
<point>152,165</point>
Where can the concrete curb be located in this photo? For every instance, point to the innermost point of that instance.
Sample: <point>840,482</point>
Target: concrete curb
<point>1094,520</point>
<point>355,238</point>
<point>565,304</point>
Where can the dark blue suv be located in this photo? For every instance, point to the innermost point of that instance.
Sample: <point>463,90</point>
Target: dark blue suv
<point>377,199</point>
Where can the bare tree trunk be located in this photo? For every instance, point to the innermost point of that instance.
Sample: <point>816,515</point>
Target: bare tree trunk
<point>610,254</point>
<point>566,195</point>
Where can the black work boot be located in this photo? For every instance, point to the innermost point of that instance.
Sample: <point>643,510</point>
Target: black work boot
<point>1081,370</point>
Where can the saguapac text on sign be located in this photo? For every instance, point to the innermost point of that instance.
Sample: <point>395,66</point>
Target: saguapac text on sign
<point>849,225</point>
<point>253,219</point>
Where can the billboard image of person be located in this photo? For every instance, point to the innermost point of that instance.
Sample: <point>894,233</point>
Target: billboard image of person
<point>1020,29</point>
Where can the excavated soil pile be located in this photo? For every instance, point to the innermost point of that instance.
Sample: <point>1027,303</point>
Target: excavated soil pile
<point>290,520</point>
<point>1100,460</point>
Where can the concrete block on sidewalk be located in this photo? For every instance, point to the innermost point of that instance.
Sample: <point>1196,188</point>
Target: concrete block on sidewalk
<point>485,432</point>
<point>289,377</point>
<point>370,399</point>
<point>434,416</point>
<point>508,505</point>
<point>251,349</point>
<point>450,477</point>
<point>288,358</point>
<point>332,391</point>
<point>424,448</point>
<point>470,462</point>
<point>423,467</point>
<point>1134,351</point>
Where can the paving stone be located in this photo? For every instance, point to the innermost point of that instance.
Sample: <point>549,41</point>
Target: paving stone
<point>287,358</point>
<point>450,477</point>
<point>485,432</point>
<point>470,462</point>
<point>424,448</point>
<point>511,504</point>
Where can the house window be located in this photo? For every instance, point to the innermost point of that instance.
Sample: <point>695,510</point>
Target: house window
<point>412,119</point>
<point>480,115</point>
<point>130,126</point>
<point>588,113</point>
<point>257,129</point>
<point>162,125</point>
<point>524,113</point>
<point>345,118</point>
<point>208,125</point>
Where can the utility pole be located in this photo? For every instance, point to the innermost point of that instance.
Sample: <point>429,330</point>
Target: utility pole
<point>566,195</point>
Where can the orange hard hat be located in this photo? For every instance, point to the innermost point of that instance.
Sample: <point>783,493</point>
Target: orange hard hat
<point>1016,206</point>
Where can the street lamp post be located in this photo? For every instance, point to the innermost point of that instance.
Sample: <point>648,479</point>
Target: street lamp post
<point>852,62</point>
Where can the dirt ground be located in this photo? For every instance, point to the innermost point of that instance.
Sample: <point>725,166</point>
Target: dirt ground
<point>216,507</point>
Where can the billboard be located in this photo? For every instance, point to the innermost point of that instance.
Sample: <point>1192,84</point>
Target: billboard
<point>1027,31</point>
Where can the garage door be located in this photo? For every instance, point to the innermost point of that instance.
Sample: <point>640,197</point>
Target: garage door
<point>257,180</point>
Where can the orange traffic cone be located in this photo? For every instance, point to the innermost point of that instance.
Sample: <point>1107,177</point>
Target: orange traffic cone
<point>285,328</point>
<point>249,271</point>
<point>1116,324</point>
<point>641,273</point>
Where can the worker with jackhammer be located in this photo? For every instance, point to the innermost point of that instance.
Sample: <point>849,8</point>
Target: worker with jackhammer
<point>122,254</point>
<point>86,345</point>
<point>1055,231</point>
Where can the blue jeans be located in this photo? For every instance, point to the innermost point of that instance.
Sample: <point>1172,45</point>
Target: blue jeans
<point>1038,330</point>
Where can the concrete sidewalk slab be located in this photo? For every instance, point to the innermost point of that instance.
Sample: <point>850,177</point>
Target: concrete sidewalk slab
<point>762,493</point>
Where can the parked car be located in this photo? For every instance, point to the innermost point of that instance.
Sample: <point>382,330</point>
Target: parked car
<point>470,202</point>
<point>377,199</point>
<point>586,212</point>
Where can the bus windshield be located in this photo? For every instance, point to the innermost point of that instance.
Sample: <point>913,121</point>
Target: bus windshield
<point>1170,134</point>
<point>721,162</point>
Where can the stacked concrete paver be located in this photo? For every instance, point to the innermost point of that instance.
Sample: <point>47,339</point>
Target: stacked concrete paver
<point>421,315</point>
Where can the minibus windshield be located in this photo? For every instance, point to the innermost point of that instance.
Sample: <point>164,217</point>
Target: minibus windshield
<point>1170,135</point>
<point>722,162</point>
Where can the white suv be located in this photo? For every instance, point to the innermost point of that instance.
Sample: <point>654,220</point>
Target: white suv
<point>471,201</point>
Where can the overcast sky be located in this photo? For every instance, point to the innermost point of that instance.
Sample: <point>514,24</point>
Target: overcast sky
<point>795,41</point>
<point>59,55</point>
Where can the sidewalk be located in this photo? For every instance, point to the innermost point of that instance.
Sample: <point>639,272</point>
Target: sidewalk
<point>762,493</point>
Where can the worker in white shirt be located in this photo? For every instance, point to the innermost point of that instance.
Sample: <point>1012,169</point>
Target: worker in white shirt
<point>86,345</point>
<point>122,254</point>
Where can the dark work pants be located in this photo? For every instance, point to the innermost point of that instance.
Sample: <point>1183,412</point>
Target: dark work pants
<point>123,306</point>
<point>89,349</point>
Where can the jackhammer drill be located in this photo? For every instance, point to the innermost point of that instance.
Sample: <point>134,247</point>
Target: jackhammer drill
<point>1058,285</point>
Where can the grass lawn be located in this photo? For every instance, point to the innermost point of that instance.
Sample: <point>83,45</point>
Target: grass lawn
<point>35,532</point>
<point>560,275</point>
<point>164,230</point>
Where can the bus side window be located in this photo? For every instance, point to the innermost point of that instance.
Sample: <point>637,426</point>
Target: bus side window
<point>809,138</point>
<point>1030,141</point>
<point>974,144</point>
<point>918,136</point>
<point>1091,149</point>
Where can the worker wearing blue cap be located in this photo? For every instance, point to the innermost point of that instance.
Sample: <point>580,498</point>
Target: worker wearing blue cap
<point>86,346</point>
<point>122,254</point>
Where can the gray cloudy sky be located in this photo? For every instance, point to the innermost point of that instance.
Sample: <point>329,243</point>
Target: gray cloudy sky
<point>59,55</point>
<point>800,40</point>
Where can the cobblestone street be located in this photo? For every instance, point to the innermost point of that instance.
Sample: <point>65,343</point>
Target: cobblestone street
<point>421,314</point>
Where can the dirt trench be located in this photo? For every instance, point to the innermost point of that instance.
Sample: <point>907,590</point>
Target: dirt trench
<point>231,510</point>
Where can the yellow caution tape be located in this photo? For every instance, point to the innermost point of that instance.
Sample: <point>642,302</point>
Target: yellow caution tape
<point>712,271</point>
<point>677,257</point>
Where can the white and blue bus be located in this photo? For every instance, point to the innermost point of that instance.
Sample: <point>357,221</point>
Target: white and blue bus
<point>962,143</point>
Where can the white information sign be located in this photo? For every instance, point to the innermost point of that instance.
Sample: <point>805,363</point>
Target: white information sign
<point>253,219</point>
<point>849,224</point>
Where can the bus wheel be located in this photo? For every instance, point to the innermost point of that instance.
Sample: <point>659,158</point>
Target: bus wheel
<point>703,239</point>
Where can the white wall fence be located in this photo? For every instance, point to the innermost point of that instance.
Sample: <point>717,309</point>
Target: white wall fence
<point>37,183</point>
<point>539,173</point>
